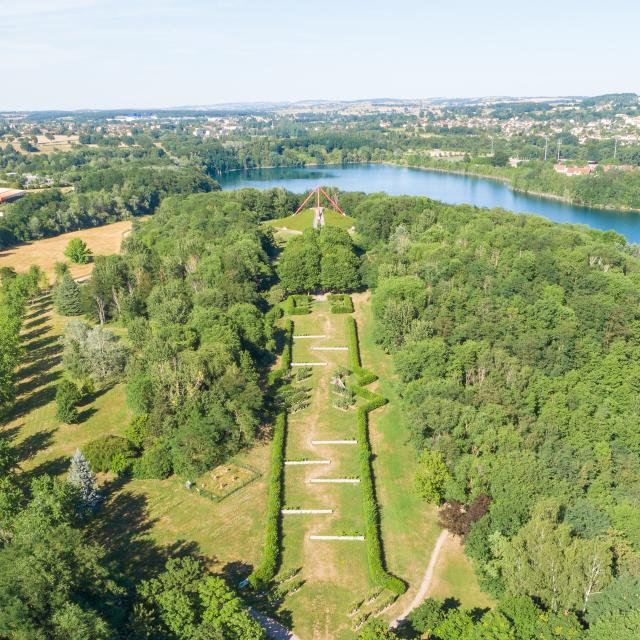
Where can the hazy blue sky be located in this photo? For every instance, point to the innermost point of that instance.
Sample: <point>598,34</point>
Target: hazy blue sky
<point>152,53</point>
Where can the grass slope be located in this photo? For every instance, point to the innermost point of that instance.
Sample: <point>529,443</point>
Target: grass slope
<point>304,220</point>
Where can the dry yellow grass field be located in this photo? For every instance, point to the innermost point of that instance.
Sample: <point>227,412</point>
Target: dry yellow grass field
<point>45,253</point>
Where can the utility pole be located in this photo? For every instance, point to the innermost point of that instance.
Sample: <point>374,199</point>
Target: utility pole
<point>559,143</point>
<point>615,147</point>
<point>546,147</point>
<point>491,146</point>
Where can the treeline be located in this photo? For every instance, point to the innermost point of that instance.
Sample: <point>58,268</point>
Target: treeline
<point>15,292</point>
<point>100,197</point>
<point>517,342</point>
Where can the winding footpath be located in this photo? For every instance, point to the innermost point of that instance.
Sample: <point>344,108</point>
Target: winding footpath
<point>426,580</point>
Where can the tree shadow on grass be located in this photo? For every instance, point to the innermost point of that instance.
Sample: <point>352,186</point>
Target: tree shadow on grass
<point>35,349</point>
<point>38,366</point>
<point>54,468</point>
<point>90,398</point>
<point>235,572</point>
<point>35,333</point>
<point>123,527</point>
<point>37,320</point>
<point>37,399</point>
<point>28,386</point>
<point>33,444</point>
<point>86,414</point>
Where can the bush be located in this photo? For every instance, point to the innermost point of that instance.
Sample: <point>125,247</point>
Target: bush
<point>137,430</point>
<point>155,463</point>
<point>340,303</point>
<point>109,453</point>
<point>272,551</point>
<point>67,398</point>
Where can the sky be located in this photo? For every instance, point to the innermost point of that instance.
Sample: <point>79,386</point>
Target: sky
<point>107,54</point>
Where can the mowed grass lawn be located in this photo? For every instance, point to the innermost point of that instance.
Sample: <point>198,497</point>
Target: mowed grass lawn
<point>141,521</point>
<point>304,220</point>
<point>335,572</point>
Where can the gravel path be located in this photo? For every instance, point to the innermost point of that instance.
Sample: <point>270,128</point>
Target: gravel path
<point>426,580</point>
<point>274,629</point>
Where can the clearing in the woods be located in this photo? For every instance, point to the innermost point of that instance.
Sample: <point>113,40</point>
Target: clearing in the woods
<point>103,240</point>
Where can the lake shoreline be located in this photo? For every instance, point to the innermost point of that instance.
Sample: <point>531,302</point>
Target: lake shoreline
<point>506,181</point>
<point>542,195</point>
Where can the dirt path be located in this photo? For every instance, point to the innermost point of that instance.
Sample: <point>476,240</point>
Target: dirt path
<point>425,585</point>
<point>274,629</point>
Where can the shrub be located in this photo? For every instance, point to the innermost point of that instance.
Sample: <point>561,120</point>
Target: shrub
<point>364,377</point>
<point>67,398</point>
<point>108,452</point>
<point>137,430</point>
<point>155,463</point>
<point>297,305</point>
<point>272,550</point>
<point>340,303</point>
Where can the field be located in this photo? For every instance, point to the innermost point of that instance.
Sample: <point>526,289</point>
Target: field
<point>103,240</point>
<point>304,220</point>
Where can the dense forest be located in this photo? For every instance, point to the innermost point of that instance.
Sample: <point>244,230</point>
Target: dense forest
<point>516,342</point>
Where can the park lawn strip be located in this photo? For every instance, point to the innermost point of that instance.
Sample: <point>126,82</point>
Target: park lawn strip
<point>409,525</point>
<point>375,554</point>
<point>451,576</point>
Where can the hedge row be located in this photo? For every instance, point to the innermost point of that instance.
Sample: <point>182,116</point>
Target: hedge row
<point>375,555</point>
<point>340,303</point>
<point>297,305</point>
<point>285,363</point>
<point>272,548</point>
<point>355,363</point>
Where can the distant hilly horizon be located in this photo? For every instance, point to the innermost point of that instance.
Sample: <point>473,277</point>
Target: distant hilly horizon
<point>266,105</point>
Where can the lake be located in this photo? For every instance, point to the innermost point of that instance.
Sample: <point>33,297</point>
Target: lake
<point>448,187</point>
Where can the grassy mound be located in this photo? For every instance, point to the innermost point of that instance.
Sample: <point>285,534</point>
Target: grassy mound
<point>304,220</point>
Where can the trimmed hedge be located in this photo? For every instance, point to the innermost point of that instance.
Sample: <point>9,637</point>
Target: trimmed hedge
<point>297,305</point>
<point>373,538</point>
<point>272,549</point>
<point>340,303</point>
<point>273,538</point>
<point>355,363</point>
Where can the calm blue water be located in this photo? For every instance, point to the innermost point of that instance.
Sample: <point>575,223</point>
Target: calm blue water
<point>451,188</point>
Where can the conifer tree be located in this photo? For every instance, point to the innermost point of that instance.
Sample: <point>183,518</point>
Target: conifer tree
<point>81,475</point>
<point>67,398</point>
<point>67,296</point>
